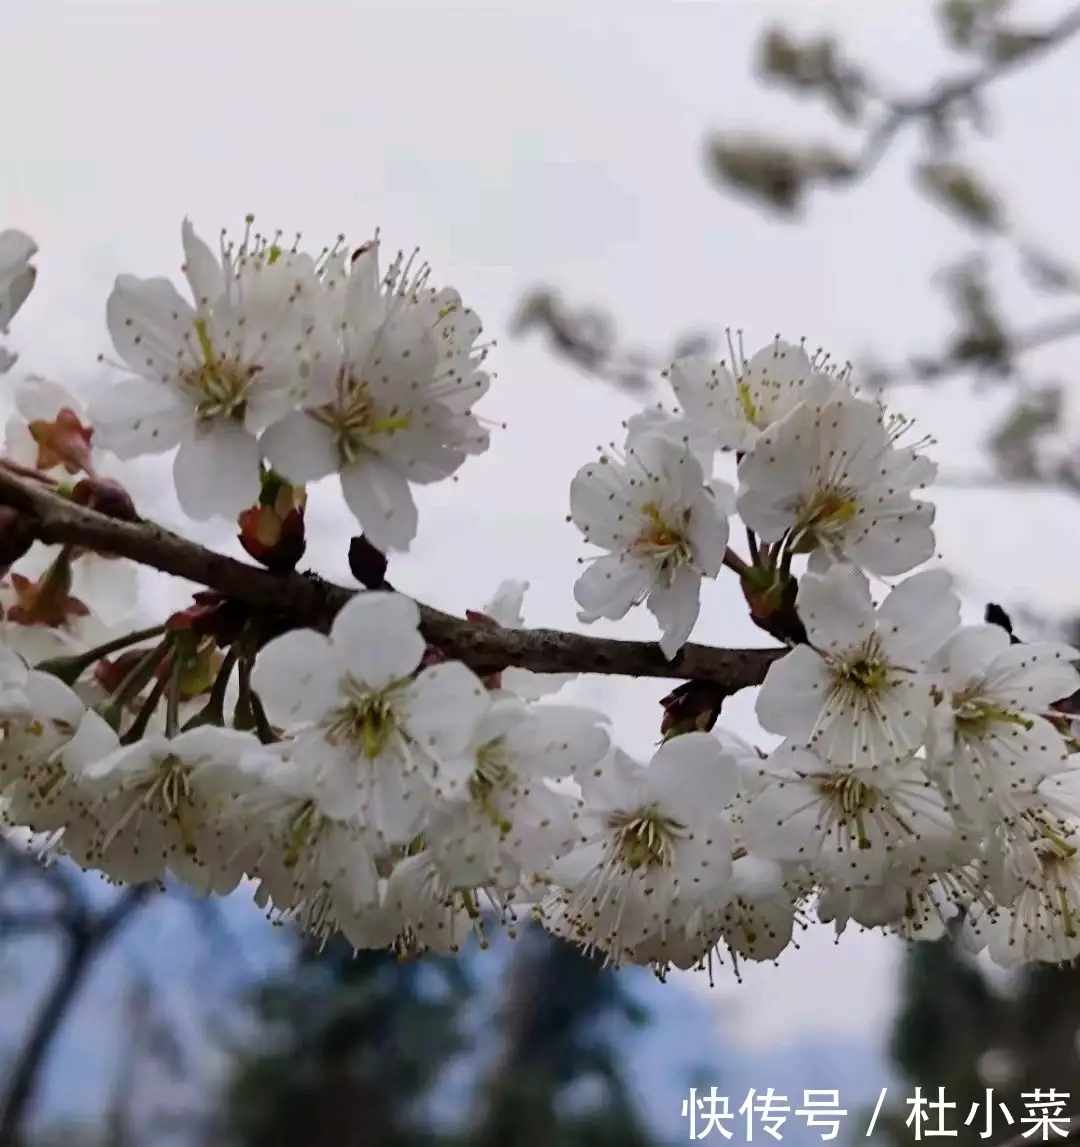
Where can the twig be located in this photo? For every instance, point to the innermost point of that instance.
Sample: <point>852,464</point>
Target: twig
<point>900,112</point>
<point>308,601</point>
<point>83,945</point>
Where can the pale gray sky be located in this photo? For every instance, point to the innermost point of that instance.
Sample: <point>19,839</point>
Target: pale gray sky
<point>519,143</point>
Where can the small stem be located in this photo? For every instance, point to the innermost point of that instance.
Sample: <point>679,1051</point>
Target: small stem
<point>250,713</point>
<point>134,682</point>
<point>734,562</point>
<point>263,727</point>
<point>172,706</point>
<point>70,669</point>
<point>146,711</point>
<point>751,542</point>
<point>214,711</point>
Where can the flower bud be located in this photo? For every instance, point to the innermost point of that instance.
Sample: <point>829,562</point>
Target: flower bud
<point>64,441</point>
<point>272,531</point>
<point>771,598</point>
<point>48,601</point>
<point>366,563</point>
<point>692,707</point>
<point>105,496</point>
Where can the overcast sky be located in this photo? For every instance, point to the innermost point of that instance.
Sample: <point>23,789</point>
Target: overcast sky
<point>519,144</point>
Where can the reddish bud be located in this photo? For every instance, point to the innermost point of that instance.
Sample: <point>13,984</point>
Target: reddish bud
<point>771,598</point>
<point>48,600</point>
<point>693,706</point>
<point>64,441</point>
<point>110,673</point>
<point>366,563</point>
<point>105,496</point>
<point>272,531</point>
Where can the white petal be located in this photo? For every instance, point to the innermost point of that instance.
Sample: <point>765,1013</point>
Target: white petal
<point>694,777</point>
<point>201,267</point>
<point>836,608</point>
<point>969,653</point>
<point>610,586</point>
<point>382,502</point>
<point>443,707</point>
<point>708,529</point>
<point>138,416</point>
<point>150,323</point>
<point>793,694</point>
<point>676,607</point>
<point>16,248</point>
<point>378,637</point>
<point>300,449</point>
<point>1034,676</point>
<point>216,470</point>
<point>918,617</point>
<point>296,677</point>
<point>505,606</point>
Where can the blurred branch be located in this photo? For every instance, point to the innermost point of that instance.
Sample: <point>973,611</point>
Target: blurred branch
<point>1009,51</point>
<point>779,174</point>
<point>587,338</point>
<point>87,934</point>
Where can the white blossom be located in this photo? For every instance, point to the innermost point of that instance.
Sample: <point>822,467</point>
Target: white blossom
<point>857,693</point>
<point>647,834</point>
<point>381,744</point>
<point>17,278</point>
<point>829,478</point>
<point>735,404</point>
<point>846,825</point>
<point>664,531</point>
<point>389,404</point>
<point>207,376</point>
<point>989,738</point>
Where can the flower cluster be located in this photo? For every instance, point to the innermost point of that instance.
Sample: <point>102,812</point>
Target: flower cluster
<point>367,782</point>
<point>925,771</point>
<point>317,366</point>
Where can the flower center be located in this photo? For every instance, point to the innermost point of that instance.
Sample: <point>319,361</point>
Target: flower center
<point>304,828</point>
<point>867,672</point>
<point>975,715</point>
<point>491,774</point>
<point>663,540</point>
<point>645,838</point>
<point>220,384</point>
<point>822,516</point>
<point>851,800</point>
<point>747,404</point>
<point>366,720</point>
<point>355,418</point>
<point>169,791</point>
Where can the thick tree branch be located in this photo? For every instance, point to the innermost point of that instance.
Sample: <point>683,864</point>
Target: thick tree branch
<point>310,601</point>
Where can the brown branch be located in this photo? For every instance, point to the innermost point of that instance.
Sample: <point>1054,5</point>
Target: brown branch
<point>946,92</point>
<point>308,601</point>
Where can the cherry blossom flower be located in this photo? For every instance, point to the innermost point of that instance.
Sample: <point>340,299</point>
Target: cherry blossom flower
<point>390,402</point>
<point>381,743</point>
<point>858,693</point>
<point>664,531</point>
<point>828,477</point>
<point>208,376</point>
<point>735,408</point>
